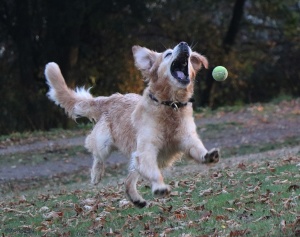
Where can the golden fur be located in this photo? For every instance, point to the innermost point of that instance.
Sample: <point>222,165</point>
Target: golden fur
<point>152,134</point>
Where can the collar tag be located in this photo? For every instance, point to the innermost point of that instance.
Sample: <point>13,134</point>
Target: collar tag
<point>174,105</point>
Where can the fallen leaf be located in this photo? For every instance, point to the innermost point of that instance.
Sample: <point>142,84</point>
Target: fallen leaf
<point>237,233</point>
<point>247,197</point>
<point>254,190</point>
<point>205,216</point>
<point>281,181</point>
<point>232,224</point>
<point>147,226</point>
<point>287,203</point>
<point>159,220</point>
<point>107,208</point>
<point>124,203</point>
<point>245,216</point>
<point>174,184</point>
<point>251,172</point>
<point>53,215</point>
<point>274,212</point>
<point>93,208</point>
<point>217,175</point>
<point>22,199</point>
<point>14,210</point>
<point>206,192</point>
<point>221,217</point>
<point>78,209</point>
<point>199,208</point>
<point>282,225</point>
<point>180,215</point>
<point>230,209</point>
<point>262,218</point>
<point>241,166</point>
<point>44,209</point>
<point>87,207</point>
<point>88,201</point>
<point>230,174</point>
<point>293,187</point>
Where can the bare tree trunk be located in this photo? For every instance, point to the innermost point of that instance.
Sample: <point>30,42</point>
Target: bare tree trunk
<point>228,42</point>
<point>237,15</point>
<point>21,33</point>
<point>63,32</point>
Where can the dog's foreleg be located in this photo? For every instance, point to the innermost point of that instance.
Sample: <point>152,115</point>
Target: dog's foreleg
<point>131,191</point>
<point>195,149</point>
<point>145,163</point>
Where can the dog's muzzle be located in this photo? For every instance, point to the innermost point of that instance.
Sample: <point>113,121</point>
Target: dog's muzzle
<point>179,67</point>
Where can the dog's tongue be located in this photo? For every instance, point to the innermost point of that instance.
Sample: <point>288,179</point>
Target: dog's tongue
<point>180,75</point>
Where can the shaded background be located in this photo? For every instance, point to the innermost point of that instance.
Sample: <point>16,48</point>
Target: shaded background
<point>257,41</point>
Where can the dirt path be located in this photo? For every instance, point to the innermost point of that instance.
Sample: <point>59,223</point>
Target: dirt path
<point>254,125</point>
<point>43,145</point>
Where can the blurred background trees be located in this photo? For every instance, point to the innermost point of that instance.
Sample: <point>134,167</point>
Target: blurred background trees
<point>258,42</point>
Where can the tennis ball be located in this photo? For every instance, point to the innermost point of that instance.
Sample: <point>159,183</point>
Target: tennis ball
<point>220,73</point>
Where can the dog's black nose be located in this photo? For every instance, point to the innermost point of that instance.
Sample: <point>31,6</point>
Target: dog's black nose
<point>183,44</point>
<point>183,47</point>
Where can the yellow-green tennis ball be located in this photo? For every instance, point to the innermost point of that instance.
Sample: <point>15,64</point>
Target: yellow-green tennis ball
<point>220,73</point>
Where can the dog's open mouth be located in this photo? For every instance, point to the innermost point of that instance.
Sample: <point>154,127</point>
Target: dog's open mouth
<point>179,68</point>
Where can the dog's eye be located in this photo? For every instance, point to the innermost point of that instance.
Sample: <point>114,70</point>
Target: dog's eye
<point>168,54</point>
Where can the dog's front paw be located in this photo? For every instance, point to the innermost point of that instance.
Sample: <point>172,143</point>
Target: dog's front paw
<point>161,190</point>
<point>136,199</point>
<point>140,203</point>
<point>213,156</point>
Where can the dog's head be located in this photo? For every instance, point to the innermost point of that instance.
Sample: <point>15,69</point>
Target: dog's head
<point>176,67</point>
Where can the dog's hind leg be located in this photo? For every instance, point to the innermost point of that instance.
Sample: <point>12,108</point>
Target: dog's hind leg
<point>131,191</point>
<point>104,148</point>
<point>97,170</point>
<point>100,143</point>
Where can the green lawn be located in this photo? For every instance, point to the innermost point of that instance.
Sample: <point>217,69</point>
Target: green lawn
<point>249,199</point>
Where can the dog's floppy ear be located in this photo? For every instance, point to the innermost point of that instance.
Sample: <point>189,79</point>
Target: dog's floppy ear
<point>198,60</point>
<point>144,59</point>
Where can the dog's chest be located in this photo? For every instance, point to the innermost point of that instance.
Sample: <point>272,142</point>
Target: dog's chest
<point>169,129</point>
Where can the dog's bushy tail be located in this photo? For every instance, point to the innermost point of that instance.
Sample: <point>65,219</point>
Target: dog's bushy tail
<point>77,103</point>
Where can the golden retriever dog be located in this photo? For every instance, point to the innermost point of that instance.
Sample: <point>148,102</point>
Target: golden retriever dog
<point>154,129</point>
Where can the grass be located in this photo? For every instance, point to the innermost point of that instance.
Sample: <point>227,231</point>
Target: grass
<point>215,127</point>
<point>33,136</point>
<point>248,199</point>
<point>258,199</point>
<point>40,156</point>
<point>262,147</point>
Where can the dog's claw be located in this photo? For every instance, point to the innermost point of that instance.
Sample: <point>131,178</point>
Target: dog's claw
<point>139,203</point>
<point>213,156</point>
<point>162,192</point>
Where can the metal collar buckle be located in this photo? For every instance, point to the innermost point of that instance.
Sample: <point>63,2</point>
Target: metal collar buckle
<point>174,105</point>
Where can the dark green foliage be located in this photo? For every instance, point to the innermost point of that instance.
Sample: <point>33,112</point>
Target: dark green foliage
<point>92,40</point>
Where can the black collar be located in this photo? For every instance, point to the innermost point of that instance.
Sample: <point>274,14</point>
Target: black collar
<point>174,104</point>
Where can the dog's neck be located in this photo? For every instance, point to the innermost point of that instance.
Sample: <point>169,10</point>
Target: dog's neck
<point>164,91</point>
<point>176,105</point>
